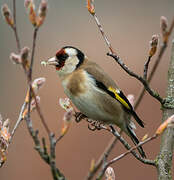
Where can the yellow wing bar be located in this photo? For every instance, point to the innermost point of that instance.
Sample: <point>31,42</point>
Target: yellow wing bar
<point>120,97</point>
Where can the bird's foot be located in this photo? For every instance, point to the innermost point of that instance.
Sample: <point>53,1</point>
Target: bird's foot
<point>79,116</point>
<point>95,125</point>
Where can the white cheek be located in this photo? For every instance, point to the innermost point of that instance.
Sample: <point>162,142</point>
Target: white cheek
<point>67,69</point>
<point>71,51</point>
<point>70,65</point>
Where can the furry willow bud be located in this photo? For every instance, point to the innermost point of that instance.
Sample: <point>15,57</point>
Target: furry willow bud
<point>153,45</point>
<point>65,103</point>
<point>90,6</point>
<point>29,4</point>
<point>4,132</point>
<point>5,137</point>
<point>7,15</point>
<point>24,57</point>
<point>42,12</point>
<point>38,83</point>
<point>21,58</point>
<point>6,123</point>
<point>68,115</point>
<point>144,137</point>
<point>109,173</point>
<point>15,58</point>
<point>167,123</point>
<point>67,118</point>
<point>24,53</point>
<point>92,165</point>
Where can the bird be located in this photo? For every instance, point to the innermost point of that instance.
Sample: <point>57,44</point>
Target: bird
<point>94,92</point>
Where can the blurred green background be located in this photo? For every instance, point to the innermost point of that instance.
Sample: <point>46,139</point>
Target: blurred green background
<point>129,26</point>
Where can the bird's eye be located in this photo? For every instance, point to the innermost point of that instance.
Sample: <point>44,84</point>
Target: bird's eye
<point>62,56</point>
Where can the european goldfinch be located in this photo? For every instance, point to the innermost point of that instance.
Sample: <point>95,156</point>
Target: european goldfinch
<point>93,92</point>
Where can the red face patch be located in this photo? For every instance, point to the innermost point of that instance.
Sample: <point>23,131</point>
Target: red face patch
<point>61,57</point>
<point>60,52</point>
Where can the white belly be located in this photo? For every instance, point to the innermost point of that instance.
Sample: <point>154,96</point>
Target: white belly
<point>89,104</point>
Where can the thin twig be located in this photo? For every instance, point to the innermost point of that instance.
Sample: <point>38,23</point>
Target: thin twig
<point>40,112</point>
<point>103,34</point>
<point>52,145</point>
<point>120,62</point>
<point>128,147</point>
<point>49,159</point>
<point>31,91</point>
<point>142,80</point>
<point>15,27</point>
<point>44,146</point>
<point>154,68</point>
<point>20,118</point>
<point>133,148</point>
<point>146,66</point>
<point>157,61</point>
<point>33,53</point>
<point>14,12</point>
<point>59,138</point>
<point>19,49</point>
<point>107,164</point>
<point>107,151</point>
<point>55,172</point>
<point>30,72</point>
<point>93,13</point>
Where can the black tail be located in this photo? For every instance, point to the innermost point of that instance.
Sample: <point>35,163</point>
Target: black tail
<point>135,140</point>
<point>139,121</point>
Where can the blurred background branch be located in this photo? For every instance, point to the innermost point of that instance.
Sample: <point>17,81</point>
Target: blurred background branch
<point>22,59</point>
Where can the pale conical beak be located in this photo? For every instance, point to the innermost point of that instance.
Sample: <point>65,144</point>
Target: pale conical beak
<point>52,61</point>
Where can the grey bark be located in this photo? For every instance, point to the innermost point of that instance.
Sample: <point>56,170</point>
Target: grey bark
<point>164,158</point>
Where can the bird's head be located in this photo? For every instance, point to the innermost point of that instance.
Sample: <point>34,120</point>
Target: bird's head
<point>67,60</point>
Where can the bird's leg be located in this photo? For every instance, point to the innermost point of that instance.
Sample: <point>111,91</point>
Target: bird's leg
<point>112,128</point>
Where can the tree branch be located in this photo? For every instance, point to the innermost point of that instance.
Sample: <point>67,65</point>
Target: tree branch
<point>19,120</point>
<point>155,66</point>
<point>142,80</point>
<point>106,152</point>
<point>91,9</point>
<point>146,161</point>
<point>146,66</point>
<point>48,158</point>
<point>31,91</point>
<point>164,159</point>
<point>128,147</point>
